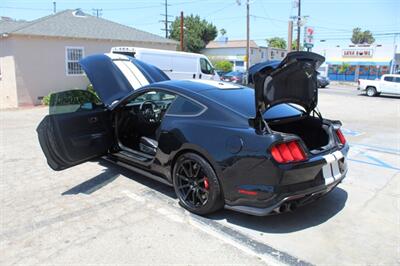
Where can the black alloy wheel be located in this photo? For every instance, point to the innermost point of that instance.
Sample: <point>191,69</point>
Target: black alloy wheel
<point>196,184</point>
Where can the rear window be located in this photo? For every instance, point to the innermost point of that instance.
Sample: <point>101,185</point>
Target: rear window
<point>242,101</point>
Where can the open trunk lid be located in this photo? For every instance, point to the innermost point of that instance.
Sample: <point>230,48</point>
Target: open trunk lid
<point>294,80</point>
<point>115,76</point>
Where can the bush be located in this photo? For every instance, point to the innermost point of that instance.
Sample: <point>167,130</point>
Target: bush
<point>224,65</point>
<point>46,99</point>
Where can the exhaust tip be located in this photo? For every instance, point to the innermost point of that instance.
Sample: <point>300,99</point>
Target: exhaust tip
<point>284,208</point>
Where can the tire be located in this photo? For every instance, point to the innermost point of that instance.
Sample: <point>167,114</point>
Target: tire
<point>196,185</point>
<point>371,91</point>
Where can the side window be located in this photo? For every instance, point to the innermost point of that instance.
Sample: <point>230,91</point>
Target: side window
<point>205,66</point>
<point>155,96</point>
<point>397,80</point>
<point>389,78</point>
<point>184,107</point>
<point>73,101</point>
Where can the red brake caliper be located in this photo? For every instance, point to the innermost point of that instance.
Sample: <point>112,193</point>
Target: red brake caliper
<point>206,183</point>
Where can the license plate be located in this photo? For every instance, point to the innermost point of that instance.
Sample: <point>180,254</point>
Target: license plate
<point>226,79</point>
<point>334,168</point>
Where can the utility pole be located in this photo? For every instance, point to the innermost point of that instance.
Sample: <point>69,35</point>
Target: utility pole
<point>54,7</point>
<point>248,35</point>
<point>97,11</point>
<point>166,21</point>
<point>298,24</point>
<point>290,35</point>
<point>181,33</point>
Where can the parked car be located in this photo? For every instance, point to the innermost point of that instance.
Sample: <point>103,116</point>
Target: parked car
<point>218,144</point>
<point>221,73</point>
<point>389,83</point>
<point>233,76</point>
<point>322,81</point>
<point>177,65</point>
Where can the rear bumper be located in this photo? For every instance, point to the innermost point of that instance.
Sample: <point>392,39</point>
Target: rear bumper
<point>287,196</point>
<point>289,202</point>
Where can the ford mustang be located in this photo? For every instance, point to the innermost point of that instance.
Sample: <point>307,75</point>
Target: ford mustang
<point>258,150</point>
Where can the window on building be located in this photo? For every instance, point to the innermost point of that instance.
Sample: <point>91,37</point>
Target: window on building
<point>239,63</point>
<point>72,57</point>
<point>283,54</point>
<point>262,54</point>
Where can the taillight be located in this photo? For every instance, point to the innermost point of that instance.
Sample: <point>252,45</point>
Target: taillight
<point>340,136</point>
<point>288,152</point>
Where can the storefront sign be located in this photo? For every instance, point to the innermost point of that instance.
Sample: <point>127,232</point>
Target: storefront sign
<point>357,52</point>
<point>309,37</point>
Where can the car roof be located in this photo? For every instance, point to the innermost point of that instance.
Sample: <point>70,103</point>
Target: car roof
<point>197,86</point>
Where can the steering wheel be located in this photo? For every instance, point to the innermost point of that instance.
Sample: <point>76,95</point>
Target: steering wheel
<point>150,112</point>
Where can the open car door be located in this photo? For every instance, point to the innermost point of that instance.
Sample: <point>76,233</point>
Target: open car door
<point>77,129</point>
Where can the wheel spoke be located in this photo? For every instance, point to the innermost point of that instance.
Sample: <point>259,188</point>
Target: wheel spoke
<point>184,178</point>
<point>197,171</point>
<point>193,197</point>
<point>199,197</point>
<point>191,169</point>
<point>186,170</point>
<point>187,194</point>
<point>203,190</point>
<point>183,186</point>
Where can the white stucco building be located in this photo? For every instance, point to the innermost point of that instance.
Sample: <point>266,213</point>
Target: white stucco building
<point>235,52</point>
<point>41,56</point>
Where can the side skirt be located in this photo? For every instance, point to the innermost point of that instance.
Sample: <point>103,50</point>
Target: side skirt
<point>138,170</point>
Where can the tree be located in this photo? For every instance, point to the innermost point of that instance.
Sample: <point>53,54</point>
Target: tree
<point>222,31</point>
<point>344,67</point>
<point>277,42</point>
<point>294,46</point>
<point>197,33</point>
<point>362,37</point>
<point>223,65</point>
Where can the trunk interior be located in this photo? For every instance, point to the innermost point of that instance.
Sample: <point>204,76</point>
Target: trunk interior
<point>310,129</point>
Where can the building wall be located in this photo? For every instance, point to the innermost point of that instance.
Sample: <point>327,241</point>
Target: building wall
<point>40,64</point>
<point>8,83</point>
<point>257,55</point>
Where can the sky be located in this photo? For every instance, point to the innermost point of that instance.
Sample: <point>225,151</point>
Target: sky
<point>333,20</point>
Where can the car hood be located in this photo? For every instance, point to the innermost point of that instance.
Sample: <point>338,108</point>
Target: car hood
<point>115,76</point>
<point>293,80</point>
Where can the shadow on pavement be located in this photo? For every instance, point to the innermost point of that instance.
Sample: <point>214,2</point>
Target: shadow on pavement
<point>303,217</point>
<point>94,184</point>
<point>388,96</point>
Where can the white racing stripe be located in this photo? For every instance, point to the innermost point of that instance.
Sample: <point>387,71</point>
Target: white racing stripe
<point>331,170</point>
<point>129,70</point>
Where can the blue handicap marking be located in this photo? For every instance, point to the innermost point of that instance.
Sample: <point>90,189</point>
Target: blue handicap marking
<point>365,158</point>
<point>350,132</point>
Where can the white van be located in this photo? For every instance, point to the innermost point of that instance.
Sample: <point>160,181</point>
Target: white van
<point>177,65</point>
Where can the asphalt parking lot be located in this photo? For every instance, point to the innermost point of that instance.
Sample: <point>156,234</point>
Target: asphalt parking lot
<point>99,213</point>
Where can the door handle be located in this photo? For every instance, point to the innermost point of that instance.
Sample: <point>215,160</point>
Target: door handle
<point>194,76</point>
<point>93,119</point>
<point>199,76</point>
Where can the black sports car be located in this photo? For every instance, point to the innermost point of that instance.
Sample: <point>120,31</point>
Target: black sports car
<point>258,151</point>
